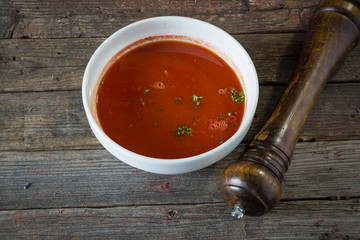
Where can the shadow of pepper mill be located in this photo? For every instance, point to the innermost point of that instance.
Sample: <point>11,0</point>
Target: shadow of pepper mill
<point>252,184</point>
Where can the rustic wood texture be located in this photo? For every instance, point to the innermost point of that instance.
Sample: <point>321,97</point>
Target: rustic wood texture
<point>315,220</point>
<point>79,191</point>
<point>104,180</point>
<point>54,19</point>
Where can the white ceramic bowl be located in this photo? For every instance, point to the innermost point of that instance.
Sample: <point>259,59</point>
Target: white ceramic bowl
<point>187,29</point>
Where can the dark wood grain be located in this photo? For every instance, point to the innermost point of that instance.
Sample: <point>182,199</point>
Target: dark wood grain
<point>59,64</point>
<point>314,220</point>
<point>68,19</point>
<point>94,178</point>
<point>48,120</point>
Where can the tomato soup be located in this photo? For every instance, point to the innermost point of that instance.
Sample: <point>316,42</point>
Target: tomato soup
<point>170,99</point>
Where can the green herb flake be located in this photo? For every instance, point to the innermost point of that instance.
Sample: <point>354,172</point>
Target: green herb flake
<point>197,100</point>
<point>178,100</point>
<point>221,116</point>
<point>146,91</point>
<point>184,130</point>
<point>160,108</point>
<point>221,142</point>
<point>102,82</point>
<point>140,118</point>
<point>237,96</point>
<point>156,124</point>
<point>142,102</point>
<point>231,113</point>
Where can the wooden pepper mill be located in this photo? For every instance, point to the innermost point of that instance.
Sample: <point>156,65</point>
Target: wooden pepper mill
<point>252,184</point>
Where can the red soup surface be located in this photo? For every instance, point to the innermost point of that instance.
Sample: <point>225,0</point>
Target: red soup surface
<point>170,99</point>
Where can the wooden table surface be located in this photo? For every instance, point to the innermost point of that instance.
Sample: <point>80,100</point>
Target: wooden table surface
<point>79,191</point>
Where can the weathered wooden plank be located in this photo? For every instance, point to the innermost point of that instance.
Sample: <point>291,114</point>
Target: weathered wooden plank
<point>63,19</point>
<point>290,220</point>
<point>38,79</point>
<point>56,120</point>
<point>276,4</point>
<point>43,64</point>
<point>48,120</point>
<point>58,64</point>
<point>47,53</point>
<point>93,178</point>
<point>324,169</point>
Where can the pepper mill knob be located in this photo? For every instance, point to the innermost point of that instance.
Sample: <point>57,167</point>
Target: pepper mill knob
<point>252,186</point>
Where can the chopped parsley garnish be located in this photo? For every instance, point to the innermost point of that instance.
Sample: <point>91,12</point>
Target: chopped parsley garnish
<point>231,113</point>
<point>197,100</point>
<point>142,102</point>
<point>220,142</point>
<point>102,82</point>
<point>160,108</point>
<point>146,91</point>
<point>184,130</point>
<point>221,116</point>
<point>155,123</point>
<point>237,96</point>
<point>178,100</point>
